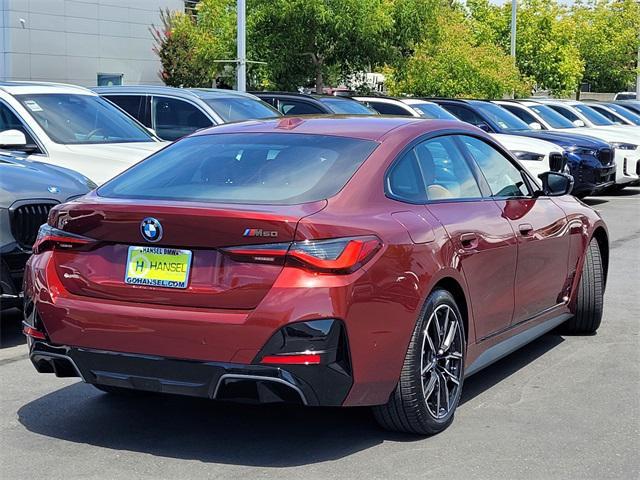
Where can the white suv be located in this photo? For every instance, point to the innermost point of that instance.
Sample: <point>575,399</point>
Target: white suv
<point>71,127</point>
<point>562,115</point>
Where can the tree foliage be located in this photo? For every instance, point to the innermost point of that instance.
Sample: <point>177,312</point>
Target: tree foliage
<point>546,48</point>
<point>608,42</point>
<point>453,66</point>
<point>428,47</point>
<point>303,41</point>
<point>190,48</point>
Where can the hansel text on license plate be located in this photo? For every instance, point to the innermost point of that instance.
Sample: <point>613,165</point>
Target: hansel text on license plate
<point>158,267</point>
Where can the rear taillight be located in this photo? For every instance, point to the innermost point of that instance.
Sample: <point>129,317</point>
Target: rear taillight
<point>336,255</point>
<point>50,237</point>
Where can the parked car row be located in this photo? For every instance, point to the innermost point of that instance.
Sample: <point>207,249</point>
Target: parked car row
<point>101,133</point>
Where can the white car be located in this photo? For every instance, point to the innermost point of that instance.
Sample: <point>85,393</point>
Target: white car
<point>556,115</point>
<point>71,127</point>
<point>534,154</point>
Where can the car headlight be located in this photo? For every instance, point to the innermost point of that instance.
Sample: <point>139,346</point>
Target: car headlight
<point>624,146</point>
<point>522,155</point>
<point>582,151</point>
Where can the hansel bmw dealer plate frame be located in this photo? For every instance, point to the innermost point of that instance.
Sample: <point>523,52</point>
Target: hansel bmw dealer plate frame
<point>158,267</point>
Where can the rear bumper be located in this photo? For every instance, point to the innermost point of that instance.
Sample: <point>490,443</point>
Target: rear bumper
<point>315,385</point>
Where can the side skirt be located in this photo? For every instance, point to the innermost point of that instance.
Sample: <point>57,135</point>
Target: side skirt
<point>511,344</point>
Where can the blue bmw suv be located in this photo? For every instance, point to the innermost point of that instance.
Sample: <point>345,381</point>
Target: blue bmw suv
<point>590,160</point>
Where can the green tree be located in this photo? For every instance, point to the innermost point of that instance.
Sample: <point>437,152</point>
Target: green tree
<point>608,42</point>
<point>303,41</point>
<point>454,66</point>
<point>546,47</point>
<point>190,48</point>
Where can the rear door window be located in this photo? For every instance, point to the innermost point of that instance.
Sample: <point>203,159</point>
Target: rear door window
<point>296,107</point>
<point>435,170</point>
<point>176,118</point>
<point>134,105</point>
<point>388,108</point>
<point>251,168</point>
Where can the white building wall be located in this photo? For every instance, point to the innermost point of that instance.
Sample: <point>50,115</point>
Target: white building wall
<point>71,41</point>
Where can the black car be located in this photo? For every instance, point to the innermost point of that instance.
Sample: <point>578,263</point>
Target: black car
<point>28,190</point>
<point>591,161</point>
<point>289,103</point>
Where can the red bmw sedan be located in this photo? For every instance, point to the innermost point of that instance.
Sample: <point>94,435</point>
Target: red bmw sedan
<point>321,261</point>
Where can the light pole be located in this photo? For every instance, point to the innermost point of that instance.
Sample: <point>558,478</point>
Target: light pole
<point>514,14</point>
<point>241,71</point>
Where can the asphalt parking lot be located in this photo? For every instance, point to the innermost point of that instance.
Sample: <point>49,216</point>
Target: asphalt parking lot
<point>561,408</point>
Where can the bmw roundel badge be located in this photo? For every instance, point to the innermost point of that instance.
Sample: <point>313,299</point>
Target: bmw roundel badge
<point>151,229</point>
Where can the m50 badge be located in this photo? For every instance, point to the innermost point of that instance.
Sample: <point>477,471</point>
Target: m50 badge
<point>258,232</point>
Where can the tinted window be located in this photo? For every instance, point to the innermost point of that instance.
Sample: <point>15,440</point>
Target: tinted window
<point>607,114</point>
<point>504,119</point>
<point>431,110</point>
<point>134,105</point>
<point>465,114</point>
<point>177,118</point>
<point>593,116</point>
<point>405,180</point>
<point>295,107</point>
<point>82,119</point>
<point>626,113</point>
<point>237,109</point>
<point>253,168</point>
<point>521,113</point>
<point>346,106</point>
<point>388,108</point>
<point>504,179</point>
<point>565,112</point>
<point>553,118</point>
<point>9,121</point>
<point>446,173</point>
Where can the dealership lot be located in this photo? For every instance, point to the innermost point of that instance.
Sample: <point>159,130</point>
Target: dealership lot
<point>562,407</point>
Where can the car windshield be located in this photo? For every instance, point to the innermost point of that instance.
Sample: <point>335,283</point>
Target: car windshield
<point>82,119</point>
<point>249,168</point>
<point>626,96</point>
<point>431,110</point>
<point>346,106</point>
<point>237,109</point>
<point>553,118</point>
<point>593,116</point>
<point>626,113</point>
<point>506,120</point>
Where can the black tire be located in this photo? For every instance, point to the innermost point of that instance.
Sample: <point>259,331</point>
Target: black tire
<point>408,410</point>
<point>589,303</point>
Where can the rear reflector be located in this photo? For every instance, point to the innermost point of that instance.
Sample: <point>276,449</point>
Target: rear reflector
<point>33,333</point>
<point>335,255</point>
<point>297,359</point>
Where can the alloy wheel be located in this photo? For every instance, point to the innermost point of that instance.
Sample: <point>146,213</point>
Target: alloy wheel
<point>441,365</point>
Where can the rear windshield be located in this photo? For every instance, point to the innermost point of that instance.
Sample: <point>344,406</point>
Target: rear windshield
<point>252,168</point>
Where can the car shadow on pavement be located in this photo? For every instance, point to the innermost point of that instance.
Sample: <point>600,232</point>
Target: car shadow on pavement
<point>11,328</point>
<point>212,432</point>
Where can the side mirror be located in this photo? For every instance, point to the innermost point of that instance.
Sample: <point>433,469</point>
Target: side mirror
<point>557,162</point>
<point>484,126</point>
<point>12,138</point>
<point>535,125</point>
<point>555,184</point>
<point>578,123</point>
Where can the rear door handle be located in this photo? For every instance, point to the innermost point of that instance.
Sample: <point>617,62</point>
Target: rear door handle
<point>526,229</point>
<point>469,240</point>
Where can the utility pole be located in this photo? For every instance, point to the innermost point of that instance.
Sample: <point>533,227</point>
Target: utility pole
<point>241,71</point>
<point>514,9</point>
